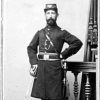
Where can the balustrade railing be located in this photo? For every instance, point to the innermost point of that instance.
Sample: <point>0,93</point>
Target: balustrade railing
<point>76,68</point>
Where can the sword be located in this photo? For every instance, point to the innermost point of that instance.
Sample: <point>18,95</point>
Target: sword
<point>66,91</point>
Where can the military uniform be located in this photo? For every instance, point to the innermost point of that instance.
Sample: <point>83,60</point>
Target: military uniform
<point>48,84</point>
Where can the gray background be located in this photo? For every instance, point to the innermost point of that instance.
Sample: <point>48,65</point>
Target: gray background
<point>22,19</point>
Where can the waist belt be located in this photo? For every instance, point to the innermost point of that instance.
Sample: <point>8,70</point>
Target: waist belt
<point>48,56</point>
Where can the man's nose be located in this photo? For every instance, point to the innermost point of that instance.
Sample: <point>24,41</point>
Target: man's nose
<point>50,15</point>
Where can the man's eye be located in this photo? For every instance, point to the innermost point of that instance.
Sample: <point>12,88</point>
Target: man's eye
<point>48,13</point>
<point>53,12</point>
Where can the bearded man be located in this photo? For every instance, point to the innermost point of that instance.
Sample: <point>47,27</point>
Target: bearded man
<point>45,56</point>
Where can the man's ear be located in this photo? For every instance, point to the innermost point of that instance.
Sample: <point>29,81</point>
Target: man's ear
<point>57,15</point>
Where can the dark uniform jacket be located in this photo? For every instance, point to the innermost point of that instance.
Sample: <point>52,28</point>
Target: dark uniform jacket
<point>49,73</point>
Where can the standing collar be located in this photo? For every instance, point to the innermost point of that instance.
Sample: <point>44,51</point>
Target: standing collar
<point>48,27</point>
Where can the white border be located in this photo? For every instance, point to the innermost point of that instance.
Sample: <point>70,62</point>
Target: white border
<point>98,62</point>
<point>1,51</point>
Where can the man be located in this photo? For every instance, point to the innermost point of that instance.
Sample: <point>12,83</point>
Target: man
<point>46,60</point>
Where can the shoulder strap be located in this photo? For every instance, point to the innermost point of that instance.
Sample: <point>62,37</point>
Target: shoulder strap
<point>47,36</point>
<point>49,39</point>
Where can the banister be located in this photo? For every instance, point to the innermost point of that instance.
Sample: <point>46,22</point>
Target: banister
<point>76,68</point>
<point>81,66</point>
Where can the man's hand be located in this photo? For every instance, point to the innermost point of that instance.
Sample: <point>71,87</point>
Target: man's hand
<point>61,56</point>
<point>64,64</point>
<point>33,70</point>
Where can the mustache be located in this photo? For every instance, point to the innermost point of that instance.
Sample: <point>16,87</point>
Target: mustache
<point>50,19</point>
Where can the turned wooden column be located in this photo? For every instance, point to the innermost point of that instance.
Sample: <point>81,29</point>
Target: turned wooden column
<point>76,86</point>
<point>87,88</point>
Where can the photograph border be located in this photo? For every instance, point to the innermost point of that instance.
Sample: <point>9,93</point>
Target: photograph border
<point>1,52</point>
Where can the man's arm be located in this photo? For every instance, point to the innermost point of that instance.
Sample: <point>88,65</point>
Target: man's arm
<point>32,49</point>
<point>74,45</point>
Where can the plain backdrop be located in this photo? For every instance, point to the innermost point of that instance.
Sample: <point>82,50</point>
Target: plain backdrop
<point>21,20</point>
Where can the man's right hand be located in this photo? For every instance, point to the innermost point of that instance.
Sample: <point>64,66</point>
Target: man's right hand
<point>33,70</point>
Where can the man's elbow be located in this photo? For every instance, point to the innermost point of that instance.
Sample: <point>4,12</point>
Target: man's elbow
<point>80,44</point>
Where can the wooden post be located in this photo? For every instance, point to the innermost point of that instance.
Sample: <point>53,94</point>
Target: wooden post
<point>87,88</point>
<point>76,88</point>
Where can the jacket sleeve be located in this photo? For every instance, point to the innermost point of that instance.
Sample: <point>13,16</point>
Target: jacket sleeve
<point>32,49</point>
<point>74,45</point>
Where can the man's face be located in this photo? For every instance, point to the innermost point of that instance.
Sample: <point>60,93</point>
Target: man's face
<point>51,17</point>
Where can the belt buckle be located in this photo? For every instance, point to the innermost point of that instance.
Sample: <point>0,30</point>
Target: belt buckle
<point>46,57</point>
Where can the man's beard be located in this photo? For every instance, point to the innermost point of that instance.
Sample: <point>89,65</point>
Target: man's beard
<point>51,22</point>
